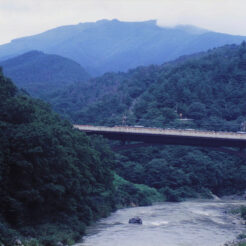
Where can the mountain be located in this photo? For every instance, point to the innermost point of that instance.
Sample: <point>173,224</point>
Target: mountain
<point>207,87</point>
<point>203,91</point>
<point>105,45</point>
<point>39,73</point>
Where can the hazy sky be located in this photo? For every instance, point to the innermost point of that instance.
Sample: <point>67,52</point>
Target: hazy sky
<point>27,17</point>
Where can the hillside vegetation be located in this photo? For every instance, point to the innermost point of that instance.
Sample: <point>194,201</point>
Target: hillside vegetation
<point>54,180</point>
<point>38,73</point>
<point>209,89</point>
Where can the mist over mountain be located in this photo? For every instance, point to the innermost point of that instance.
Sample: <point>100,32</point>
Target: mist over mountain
<point>112,45</point>
<point>38,73</point>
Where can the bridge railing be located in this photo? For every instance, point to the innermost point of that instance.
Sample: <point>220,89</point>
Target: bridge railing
<point>163,131</point>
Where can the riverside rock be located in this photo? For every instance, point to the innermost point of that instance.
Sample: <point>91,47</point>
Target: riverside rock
<point>236,242</point>
<point>17,242</point>
<point>135,220</point>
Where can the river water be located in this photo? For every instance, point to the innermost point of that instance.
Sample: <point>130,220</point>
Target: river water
<point>190,223</point>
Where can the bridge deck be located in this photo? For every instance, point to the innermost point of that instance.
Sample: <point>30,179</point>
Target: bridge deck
<point>162,131</point>
<point>169,136</point>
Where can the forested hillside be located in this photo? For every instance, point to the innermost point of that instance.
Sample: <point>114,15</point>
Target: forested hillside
<point>207,88</point>
<point>113,45</point>
<point>54,180</point>
<point>38,73</point>
<point>206,91</point>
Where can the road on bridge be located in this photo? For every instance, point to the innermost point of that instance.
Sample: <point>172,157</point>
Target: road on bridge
<point>168,136</point>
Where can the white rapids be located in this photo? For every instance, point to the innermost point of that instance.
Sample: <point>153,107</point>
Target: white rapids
<point>190,223</point>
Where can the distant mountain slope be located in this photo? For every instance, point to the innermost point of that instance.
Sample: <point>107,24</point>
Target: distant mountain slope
<point>106,45</point>
<point>207,87</point>
<point>39,73</point>
<point>203,91</point>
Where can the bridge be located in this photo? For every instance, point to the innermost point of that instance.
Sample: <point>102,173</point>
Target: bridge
<point>190,137</point>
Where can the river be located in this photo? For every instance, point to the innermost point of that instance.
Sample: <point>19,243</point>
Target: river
<point>189,223</point>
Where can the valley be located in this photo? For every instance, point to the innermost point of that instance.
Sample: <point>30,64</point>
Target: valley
<point>56,181</point>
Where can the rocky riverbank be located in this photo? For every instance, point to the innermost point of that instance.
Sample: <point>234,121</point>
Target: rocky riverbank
<point>240,217</point>
<point>236,242</point>
<point>32,242</point>
<point>195,221</point>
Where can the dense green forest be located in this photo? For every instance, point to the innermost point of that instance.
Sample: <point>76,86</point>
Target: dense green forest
<point>204,91</point>
<point>51,177</point>
<point>208,88</point>
<point>37,72</point>
<point>54,180</point>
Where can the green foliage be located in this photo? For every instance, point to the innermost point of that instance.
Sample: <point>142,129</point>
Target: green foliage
<point>38,73</point>
<point>129,194</point>
<point>103,100</point>
<point>53,180</point>
<point>243,212</point>
<point>67,176</point>
<point>208,89</point>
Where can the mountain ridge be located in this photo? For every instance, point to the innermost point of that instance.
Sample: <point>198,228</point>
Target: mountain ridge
<point>113,45</point>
